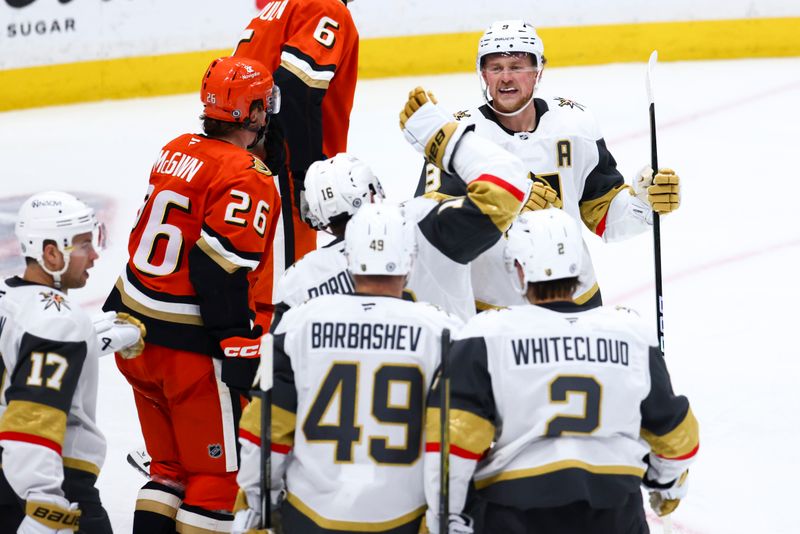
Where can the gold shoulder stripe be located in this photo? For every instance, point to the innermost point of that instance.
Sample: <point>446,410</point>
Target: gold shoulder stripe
<point>227,265</point>
<point>34,419</point>
<point>497,203</point>
<point>593,211</point>
<point>352,526</point>
<point>560,466</point>
<point>283,422</point>
<point>680,441</point>
<point>306,79</point>
<point>467,430</point>
<point>437,196</point>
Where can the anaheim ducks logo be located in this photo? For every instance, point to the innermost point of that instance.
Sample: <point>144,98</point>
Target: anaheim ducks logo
<point>259,166</point>
<point>564,102</point>
<point>461,114</point>
<point>51,298</point>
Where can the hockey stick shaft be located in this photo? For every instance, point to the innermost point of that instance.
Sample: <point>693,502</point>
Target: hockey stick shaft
<point>656,217</point>
<point>265,387</point>
<point>444,432</point>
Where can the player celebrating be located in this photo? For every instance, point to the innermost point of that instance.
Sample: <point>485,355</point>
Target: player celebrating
<point>593,383</point>
<point>449,234</point>
<point>311,47</point>
<point>372,355</point>
<point>51,450</point>
<point>197,246</point>
<point>562,147</point>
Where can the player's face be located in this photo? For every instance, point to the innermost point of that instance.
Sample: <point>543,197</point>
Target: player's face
<point>511,79</point>
<point>81,259</point>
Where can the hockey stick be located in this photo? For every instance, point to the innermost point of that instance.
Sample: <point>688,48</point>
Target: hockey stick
<point>651,65</point>
<point>444,433</point>
<point>265,385</point>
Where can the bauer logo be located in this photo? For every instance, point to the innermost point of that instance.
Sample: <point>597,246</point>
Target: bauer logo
<point>11,259</point>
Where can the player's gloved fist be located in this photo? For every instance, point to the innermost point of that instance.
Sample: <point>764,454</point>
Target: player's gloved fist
<point>662,191</point>
<point>664,498</point>
<point>541,196</point>
<point>120,333</point>
<point>429,128</point>
<point>49,514</point>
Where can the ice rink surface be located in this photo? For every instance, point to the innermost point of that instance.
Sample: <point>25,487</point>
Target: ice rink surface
<point>731,129</point>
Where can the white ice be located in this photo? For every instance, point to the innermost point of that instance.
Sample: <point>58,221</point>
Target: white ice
<point>731,129</point>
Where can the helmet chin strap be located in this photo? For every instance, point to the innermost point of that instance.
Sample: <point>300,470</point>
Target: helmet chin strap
<point>513,113</point>
<point>488,101</point>
<point>57,274</point>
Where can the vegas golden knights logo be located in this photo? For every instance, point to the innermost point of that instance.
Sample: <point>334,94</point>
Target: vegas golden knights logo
<point>564,102</point>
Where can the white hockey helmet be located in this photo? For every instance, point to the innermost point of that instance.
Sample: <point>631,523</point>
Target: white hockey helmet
<point>57,217</point>
<point>508,37</point>
<point>338,187</point>
<point>379,240</point>
<point>546,243</point>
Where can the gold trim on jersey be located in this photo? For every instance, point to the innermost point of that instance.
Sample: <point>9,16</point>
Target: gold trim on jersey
<point>679,441</point>
<point>467,430</point>
<point>35,419</point>
<point>437,196</point>
<point>283,425</point>
<point>226,265</point>
<point>160,508</point>
<point>138,307</point>
<point>352,526</point>
<point>560,466</point>
<point>494,202</point>
<point>483,306</point>
<point>185,528</point>
<point>593,211</point>
<point>587,296</point>
<point>305,78</point>
<point>81,465</point>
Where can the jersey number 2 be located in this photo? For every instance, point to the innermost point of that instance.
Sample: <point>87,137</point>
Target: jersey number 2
<point>560,389</point>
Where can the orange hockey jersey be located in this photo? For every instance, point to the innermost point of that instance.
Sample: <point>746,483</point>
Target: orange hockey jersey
<point>311,46</point>
<point>199,241</point>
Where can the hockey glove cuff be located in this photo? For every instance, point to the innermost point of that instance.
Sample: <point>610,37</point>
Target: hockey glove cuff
<point>120,333</point>
<point>430,129</point>
<point>665,498</point>
<point>241,347</point>
<point>49,514</point>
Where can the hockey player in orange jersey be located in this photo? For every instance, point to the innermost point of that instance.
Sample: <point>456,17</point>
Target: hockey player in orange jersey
<point>208,219</point>
<point>311,47</point>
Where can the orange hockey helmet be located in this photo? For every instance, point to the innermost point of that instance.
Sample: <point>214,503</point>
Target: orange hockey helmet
<point>232,84</point>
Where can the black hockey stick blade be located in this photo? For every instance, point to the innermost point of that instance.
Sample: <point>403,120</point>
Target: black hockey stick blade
<point>444,433</point>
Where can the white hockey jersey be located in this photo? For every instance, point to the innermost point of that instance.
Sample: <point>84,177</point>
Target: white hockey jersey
<point>350,380</point>
<point>48,388</point>
<point>449,235</point>
<point>566,150</point>
<point>550,405</point>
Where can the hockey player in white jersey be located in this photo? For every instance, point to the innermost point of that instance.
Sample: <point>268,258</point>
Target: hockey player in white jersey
<point>51,448</point>
<point>351,373</point>
<point>449,234</point>
<point>335,189</point>
<point>563,149</point>
<point>600,417</point>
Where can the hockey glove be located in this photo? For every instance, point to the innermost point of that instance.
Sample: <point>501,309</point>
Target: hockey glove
<point>49,514</point>
<point>120,333</point>
<point>241,347</point>
<point>541,196</point>
<point>665,498</point>
<point>662,192</point>
<point>456,524</point>
<point>430,129</point>
<point>247,518</point>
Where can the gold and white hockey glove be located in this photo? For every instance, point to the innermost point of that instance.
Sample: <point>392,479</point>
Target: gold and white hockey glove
<point>49,514</point>
<point>665,498</point>
<point>662,191</point>
<point>120,333</point>
<point>430,129</point>
<point>542,196</point>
